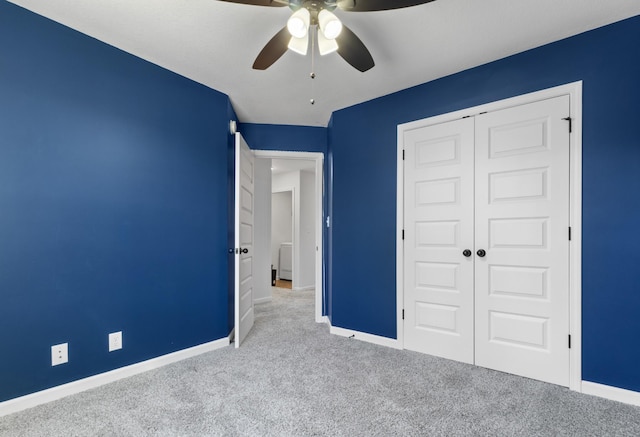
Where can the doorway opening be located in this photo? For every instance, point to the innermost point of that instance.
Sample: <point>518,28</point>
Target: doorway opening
<point>288,229</point>
<point>282,235</point>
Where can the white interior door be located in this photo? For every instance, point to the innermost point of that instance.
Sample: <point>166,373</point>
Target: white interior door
<point>244,212</point>
<point>486,248</point>
<point>522,223</point>
<point>438,300</point>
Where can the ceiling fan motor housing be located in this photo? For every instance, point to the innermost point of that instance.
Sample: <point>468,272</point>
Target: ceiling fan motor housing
<point>344,41</point>
<point>313,5</point>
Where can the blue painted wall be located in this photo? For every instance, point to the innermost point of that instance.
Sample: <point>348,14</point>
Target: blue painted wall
<point>284,137</point>
<point>362,141</point>
<point>113,206</point>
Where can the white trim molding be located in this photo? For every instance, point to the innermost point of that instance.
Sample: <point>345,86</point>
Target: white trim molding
<point>575,248</point>
<point>574,91</point>
<point>282,154</point>
<point>262,300</point>
<point>611,393</point>
<point>71,388</point>
<point>400,238</point>
<point>369,338</point>
<point>306,288</point>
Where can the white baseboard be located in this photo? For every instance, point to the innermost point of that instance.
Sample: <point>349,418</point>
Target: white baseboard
<point>262,300</point>
<point>326,320</point>
<point>370,338</point>
<point>612,393</point>
<point>71,388</point>
<point>305,288</point>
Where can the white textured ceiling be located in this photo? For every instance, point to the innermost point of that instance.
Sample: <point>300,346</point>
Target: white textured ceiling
<point>215,43</point>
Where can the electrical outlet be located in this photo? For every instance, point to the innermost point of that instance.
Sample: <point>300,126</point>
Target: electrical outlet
<point>59,354</point>
<point>115,341</point>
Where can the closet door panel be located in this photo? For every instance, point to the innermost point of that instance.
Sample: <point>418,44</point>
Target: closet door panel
<point>438,226</point>
<point>521,222</point>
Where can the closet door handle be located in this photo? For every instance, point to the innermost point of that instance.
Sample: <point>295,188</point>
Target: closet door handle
<point>244,250</point>
<point>481,253</point>
<point>466,253</point>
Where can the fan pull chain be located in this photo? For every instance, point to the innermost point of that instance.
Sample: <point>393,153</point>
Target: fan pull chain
<point>313,74</point>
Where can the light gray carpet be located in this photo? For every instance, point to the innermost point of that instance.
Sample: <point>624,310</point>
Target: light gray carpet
<point>292,378</point>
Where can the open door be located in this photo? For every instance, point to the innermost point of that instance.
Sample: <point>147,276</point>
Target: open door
<point>244,211</point>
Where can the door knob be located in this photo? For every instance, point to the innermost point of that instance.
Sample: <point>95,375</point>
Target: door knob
<point>244,250</point>
<point>481,253</point>
<point>466,253</point>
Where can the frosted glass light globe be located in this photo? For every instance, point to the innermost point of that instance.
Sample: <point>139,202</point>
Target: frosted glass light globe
<point>329,24</point>
<point>298,23</point>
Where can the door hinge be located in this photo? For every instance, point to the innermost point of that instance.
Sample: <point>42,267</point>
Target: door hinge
<point>403,234</point>
<point>569,341</point>
<point>403,154</point>
<point>402,314</point>
<point>569,233</point>
<point>570,120</point>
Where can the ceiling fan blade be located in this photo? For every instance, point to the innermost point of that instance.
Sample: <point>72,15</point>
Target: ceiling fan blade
<point>377,5</point>
<point>353,50</point>
<point>275,48</point>
<point>275,3</point>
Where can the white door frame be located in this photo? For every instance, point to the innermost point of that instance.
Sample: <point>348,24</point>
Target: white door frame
<point>574,91</point>
<point>318,157</point>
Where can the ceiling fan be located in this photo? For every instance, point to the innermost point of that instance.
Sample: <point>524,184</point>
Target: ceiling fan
<point>332,35</point>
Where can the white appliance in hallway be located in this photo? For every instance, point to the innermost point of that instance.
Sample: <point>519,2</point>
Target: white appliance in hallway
<point>286,257</point>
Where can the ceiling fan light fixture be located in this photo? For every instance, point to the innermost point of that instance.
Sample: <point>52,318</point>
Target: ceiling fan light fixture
<point>330,25</point>
<point>299,45</point>
<point>325,45</point>
<point>298,23</point>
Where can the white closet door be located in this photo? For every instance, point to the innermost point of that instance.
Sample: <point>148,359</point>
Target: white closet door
<point>522,219</point>
<point>438,296</point>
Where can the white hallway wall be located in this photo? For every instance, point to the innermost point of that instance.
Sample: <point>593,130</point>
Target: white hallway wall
<point>307,229</point>
<point>289,181</point>
<point>303,253</point>
<point>281,224</point>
